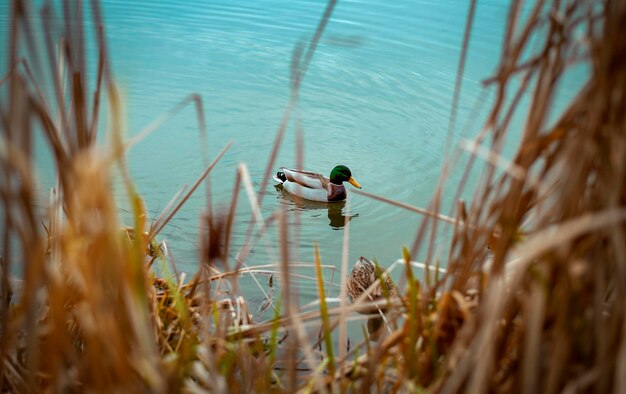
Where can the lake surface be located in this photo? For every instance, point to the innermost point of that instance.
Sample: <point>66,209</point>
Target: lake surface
<point>376,97</point>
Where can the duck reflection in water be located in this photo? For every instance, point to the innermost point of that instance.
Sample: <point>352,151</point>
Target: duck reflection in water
<point>336,215</point>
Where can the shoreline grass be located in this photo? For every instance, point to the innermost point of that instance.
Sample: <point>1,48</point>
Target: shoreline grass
<point>530,300</point>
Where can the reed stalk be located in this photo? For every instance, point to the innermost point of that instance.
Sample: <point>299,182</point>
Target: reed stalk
<point>527,300</point>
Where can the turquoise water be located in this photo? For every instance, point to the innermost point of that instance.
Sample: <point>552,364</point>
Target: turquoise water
<point>376,98</point>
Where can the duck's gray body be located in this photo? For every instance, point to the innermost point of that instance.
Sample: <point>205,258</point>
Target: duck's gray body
<point>310,185</point>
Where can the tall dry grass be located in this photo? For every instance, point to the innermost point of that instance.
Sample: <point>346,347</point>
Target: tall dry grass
<point>530,300</point>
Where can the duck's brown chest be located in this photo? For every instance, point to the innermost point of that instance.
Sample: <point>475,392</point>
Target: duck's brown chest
<point>336,193</point>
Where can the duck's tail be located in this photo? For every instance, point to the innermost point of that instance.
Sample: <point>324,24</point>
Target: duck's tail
<point>280,177</point>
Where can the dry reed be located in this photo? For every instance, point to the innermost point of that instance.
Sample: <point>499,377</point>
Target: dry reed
<point>530,300</point>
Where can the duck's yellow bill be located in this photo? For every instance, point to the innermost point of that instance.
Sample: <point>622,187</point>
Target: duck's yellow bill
<point>354,183</point>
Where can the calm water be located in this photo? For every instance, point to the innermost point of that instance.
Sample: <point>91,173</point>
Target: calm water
<point>376,98</point>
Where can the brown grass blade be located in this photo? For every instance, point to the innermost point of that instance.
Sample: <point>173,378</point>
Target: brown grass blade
<point>163,222</point>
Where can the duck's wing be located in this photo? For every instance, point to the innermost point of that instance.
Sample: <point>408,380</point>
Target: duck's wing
<point>308,179</point>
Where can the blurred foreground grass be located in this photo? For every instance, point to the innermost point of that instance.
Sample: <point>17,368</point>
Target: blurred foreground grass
<point>531,300</point>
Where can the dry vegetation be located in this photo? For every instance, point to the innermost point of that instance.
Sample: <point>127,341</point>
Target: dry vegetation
<point>540,311</point>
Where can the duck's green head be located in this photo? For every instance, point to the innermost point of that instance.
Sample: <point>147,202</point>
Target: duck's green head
<point>342,174</point>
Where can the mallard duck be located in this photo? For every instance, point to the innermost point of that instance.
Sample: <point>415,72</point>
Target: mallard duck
<point>363,275</point>
<point>317,187</point>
